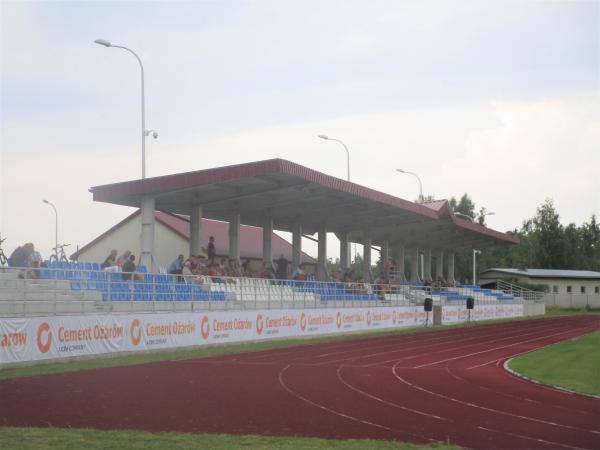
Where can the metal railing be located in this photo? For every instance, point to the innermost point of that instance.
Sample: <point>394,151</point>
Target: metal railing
<point>76,291</point>
<point>518,291</point>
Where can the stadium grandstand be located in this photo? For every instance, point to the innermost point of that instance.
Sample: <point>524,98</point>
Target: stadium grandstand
<point>266,196</point>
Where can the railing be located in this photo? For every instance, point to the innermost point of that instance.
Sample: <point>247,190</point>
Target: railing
<point>71,291</point>
<point>518,291</point>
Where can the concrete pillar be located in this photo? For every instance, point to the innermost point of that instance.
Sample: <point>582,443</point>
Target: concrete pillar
<point>450,268</point>
<point>439,265</point>
<point>296,244</point>
<point>399,258</point>
<point>322,257</point>
<point>414,265</point>
<point>367,259</point>
<point>234,236</point>
<point>147,245</point>
<point>196,231</point>
<point>427,267</point>
<point>385,252</point>
<point>344,250</point>
<point>267,247</point>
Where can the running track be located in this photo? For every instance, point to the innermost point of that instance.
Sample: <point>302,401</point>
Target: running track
<point>447,386</point>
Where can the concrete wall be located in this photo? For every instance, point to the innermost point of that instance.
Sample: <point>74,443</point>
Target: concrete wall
<point>560,283</point>
<point>167,244</point>
<point>531,308</point>
<point>572,300</point>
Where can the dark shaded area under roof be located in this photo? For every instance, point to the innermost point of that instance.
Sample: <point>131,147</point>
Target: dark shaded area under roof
<point>291,193</point>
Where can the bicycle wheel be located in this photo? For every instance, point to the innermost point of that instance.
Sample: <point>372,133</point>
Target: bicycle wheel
<point>52,258</point>
<point>63,258</point>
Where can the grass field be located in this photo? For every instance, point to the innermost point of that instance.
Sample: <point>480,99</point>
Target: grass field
<point>57,438</point>
<point>572,364</point>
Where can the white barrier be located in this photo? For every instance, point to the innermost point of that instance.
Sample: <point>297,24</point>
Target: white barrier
<point>45,338</point>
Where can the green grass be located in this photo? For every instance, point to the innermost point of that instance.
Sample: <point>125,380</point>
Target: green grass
<point>57,438</point>
<point>573,364</point>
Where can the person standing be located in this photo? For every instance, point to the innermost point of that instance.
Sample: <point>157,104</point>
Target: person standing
<point>282,267</point>
<point>211,251</point>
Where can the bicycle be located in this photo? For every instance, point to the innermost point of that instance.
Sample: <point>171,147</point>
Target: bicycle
<point>3,258</point>
<point>59,254</point>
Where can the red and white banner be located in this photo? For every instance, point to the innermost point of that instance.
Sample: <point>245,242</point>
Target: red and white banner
<point>43,338</point>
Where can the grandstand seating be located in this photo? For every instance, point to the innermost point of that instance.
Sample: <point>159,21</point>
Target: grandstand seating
<point>98,290</point>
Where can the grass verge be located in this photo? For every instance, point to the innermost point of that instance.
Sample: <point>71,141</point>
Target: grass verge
<point>57,438</point>
<point>573,364</point>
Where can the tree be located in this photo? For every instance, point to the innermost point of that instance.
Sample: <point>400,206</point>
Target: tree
<point>465,206</point>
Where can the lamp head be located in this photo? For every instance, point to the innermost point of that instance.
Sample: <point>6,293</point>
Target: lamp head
<point>46,201</point>
<point>323,136</point>
<point>400,170</point>
<point>103,42</point>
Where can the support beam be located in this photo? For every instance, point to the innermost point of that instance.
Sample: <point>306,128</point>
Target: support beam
<point>296,244</point>
<point>147,245</point>
<point>414,265</point>
<point>196,231</point>
<point>322,257</point>
<point>439,265</point>
<point>427,268</point>
<point>450,268</point>
<point>234,236</point>
<point>385,252</point>
<point>367,259</point>
<point>267,247</point>
<point>344,250</point>
<point>398,256</point>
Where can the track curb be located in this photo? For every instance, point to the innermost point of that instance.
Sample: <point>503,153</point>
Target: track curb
<point>533,380</point>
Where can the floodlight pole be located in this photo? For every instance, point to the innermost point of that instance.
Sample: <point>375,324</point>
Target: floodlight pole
<point>106,43</point>
<point>327,138</point>
<point>55,225</point>
<point>419,179</point>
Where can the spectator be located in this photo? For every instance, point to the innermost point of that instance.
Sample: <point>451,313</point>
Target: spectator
<point>111,265</point>
<point>299,274</point>
<point>121,260</point>
<point>176,266</point>
<point>246,267</point>
<point>34,262</point>
<point>19,256</point>
<point>282,267</point>
<point>129,268</point>
<point>110,260</point>
<point>211,251</point>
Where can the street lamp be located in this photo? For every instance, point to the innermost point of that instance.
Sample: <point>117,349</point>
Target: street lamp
<point>55,225</point>
<point>145,132</point>
<point>475,253</point>
<point>417,177</point>
<point>327,138</point>
<point>456,213</point>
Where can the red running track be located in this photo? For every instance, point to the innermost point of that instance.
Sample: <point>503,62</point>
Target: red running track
<point>447,386</point>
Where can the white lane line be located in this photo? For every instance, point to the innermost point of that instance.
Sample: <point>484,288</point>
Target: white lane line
<point>491,349</point>
<point>485,408</point>
<point>543,441</point>
<point>346,416</point>
<point>386,402</point>
<point>521,353</point>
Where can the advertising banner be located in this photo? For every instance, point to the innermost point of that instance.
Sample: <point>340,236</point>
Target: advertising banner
<point>44,338</point>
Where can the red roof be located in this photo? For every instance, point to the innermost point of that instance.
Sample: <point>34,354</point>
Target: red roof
<point>250,237</point>
<point>290,193</point>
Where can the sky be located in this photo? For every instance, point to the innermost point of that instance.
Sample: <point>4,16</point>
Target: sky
<point>497,99</point>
